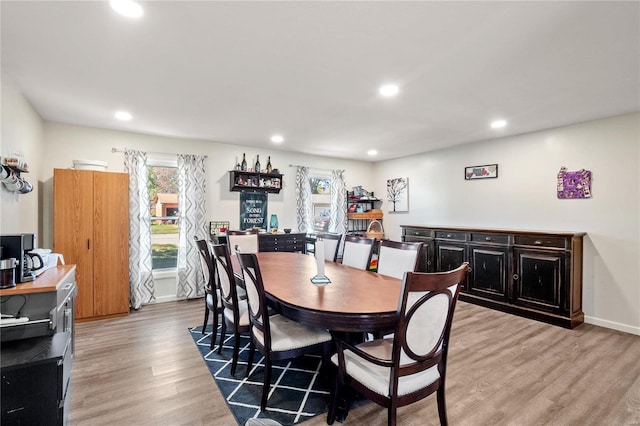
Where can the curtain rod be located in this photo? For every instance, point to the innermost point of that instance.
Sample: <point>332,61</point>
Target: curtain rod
<point>316,168</point>
<point>152,152</point>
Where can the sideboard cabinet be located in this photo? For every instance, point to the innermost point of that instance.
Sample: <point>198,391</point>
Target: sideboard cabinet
<point>529,273</point>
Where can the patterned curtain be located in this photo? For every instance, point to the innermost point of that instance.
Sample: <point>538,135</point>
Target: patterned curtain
<point>193,214</point>
<point>303,200</point>
<point>140,274</point>
<point>338,223</point>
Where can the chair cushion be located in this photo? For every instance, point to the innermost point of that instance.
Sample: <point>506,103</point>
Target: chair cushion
<point>287,334</point>
<point>243,311</point>
<point>376,377</point>
<point>210,300</point>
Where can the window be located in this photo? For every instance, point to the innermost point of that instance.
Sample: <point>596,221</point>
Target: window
<point>163,204</point>
<point>321,202</point>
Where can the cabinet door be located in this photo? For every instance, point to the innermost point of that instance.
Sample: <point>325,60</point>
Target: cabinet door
<point>539,279</point>
<point>449,256</point>
<point>489,272</point>
<point>426,261</point>
<point>111,243</point>
<point>73,230</point>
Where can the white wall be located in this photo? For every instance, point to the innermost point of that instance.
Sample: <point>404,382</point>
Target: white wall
<point>21,134</point>
<point>524,197</point>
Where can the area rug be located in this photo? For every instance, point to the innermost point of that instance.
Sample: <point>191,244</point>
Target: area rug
<point>298,390</point>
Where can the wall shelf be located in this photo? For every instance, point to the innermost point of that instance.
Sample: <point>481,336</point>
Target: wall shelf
<point>251,181</point>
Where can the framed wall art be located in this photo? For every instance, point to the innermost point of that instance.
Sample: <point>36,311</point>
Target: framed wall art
<point>397,194</point>
<point>574,184</point>
<point>481,172</point>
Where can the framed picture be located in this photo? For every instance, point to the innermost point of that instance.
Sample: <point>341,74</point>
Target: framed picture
<point>481,172</point>
<point>397,194</point>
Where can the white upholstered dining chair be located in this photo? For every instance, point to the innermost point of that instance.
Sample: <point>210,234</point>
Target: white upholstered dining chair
<point>331,245</point>
<point>357,251</point>
<point>411,365</point>
<point>395,258</point>
<point>246,241</point>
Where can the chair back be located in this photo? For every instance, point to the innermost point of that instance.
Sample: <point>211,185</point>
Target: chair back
<point>331,245</point>
<point>208,267</point>
<point>395,258</point>
<point>246,241</point>
<point>256,299</point>
<point>357,251</point>
<point>425,313</point>
<point>226,279</point>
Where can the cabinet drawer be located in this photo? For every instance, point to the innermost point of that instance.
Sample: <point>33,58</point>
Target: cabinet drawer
<point>490,238</point>
<point>541,241</point>
<point>451,235</point>
<point>417,232</point>
<point>412,239</point>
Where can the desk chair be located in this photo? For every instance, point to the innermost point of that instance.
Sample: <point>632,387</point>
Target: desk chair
<point>406,368</point>
<point>275,337</point>
<point>246,240</point>
<point>357,251</point>
<point>212,301</point>
<point>236,311</point>
<point>396,258</point>
<point>331,245</point>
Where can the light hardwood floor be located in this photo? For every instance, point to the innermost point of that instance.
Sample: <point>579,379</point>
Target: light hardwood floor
<point>144,369</point>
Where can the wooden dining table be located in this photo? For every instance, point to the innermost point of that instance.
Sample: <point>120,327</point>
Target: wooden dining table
<point>354,301</point>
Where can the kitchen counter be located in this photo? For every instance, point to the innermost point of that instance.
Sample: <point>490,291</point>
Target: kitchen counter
<point>48,281</point>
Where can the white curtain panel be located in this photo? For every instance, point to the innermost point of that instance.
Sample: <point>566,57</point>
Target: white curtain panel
<point>303,200</point>
<point>192,223</point>
<point>338,222</point>
<point>140,274</point>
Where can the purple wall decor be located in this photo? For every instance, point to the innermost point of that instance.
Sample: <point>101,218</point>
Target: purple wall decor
<point>574,184</point>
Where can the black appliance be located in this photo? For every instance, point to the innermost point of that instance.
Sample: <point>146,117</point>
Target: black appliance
<point>17,246</point>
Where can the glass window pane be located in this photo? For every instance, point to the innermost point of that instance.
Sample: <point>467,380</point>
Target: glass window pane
<point>163,204</point>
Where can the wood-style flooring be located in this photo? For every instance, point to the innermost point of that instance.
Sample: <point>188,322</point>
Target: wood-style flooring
<point>144,369</point>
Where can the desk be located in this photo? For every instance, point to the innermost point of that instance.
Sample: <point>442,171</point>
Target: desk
<point>354,301</point>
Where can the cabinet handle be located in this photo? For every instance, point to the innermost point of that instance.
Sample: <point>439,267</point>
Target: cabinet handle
<point>469,269</point>
<point>537,242</point>
<point>88,244</point>
<point>487,238</point>
<point>449,235</point>
<point>428,262</point>
<point>515,277</point>
<point>417,233</point>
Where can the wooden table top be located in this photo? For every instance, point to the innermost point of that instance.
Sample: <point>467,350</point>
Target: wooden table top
<point>355,300</point>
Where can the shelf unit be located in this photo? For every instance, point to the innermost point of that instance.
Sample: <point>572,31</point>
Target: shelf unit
<point>358,222</point>
<point>252,181</point>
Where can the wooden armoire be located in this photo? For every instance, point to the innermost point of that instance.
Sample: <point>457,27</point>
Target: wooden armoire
<point>91,230</point>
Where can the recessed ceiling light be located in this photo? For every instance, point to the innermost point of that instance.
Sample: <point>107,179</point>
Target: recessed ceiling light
<point>389,90</point>
<point>498,124</point>
<point>123,115</point>
<point>127,8</point>
<point>372,152</point>
<point>277,139</point>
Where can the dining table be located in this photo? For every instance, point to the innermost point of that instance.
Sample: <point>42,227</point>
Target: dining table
<point>354,301</point>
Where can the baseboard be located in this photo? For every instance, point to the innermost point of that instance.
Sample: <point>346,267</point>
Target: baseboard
<point>168,298</point>
<point>612,324</point>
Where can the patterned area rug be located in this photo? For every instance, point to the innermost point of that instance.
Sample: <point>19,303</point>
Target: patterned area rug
<point>298,390</point>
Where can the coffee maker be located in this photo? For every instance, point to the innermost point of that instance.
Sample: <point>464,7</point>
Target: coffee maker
<point>17,246</point>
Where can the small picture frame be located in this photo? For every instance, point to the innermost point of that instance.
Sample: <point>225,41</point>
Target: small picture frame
<point>487,171</point>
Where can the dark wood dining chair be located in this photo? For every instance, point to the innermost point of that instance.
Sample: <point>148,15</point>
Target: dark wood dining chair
<point>357,251</point>
<point>246,241</point>
<point>212,301</point>
<point>395,258</point>
<point>275,337</point>
<point>411,365</point>
<point>236,311</point>
<point>331,245</point>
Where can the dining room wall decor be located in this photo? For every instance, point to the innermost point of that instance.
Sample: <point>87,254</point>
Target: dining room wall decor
<point>397,194</point>
<point>575,184</point>
<point>481,172</point>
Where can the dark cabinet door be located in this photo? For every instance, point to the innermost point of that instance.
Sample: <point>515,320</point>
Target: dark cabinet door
<point>489,272</point>
<point>539,279</point>
<point>449,256</point>
<point>426,261</point>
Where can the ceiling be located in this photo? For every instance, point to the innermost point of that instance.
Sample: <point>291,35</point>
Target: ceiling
<point>238,72</point>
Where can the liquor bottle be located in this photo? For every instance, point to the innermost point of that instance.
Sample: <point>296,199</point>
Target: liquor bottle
<point>257,166</point>
<point>243,166</point>
<point>269,169</point>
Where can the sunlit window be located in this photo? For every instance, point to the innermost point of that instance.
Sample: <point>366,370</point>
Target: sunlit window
<point>163,202</point>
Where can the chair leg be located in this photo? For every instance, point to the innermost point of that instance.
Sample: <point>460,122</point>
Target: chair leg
<point>252,350</point>
<point>206,318</point>
<point>442,409</point>
<point>223,333</point>
<point>236,352</point>
<point>266,384</point>
<point>331,415</point>
<point>215,321</point>
<point>393,409</point>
